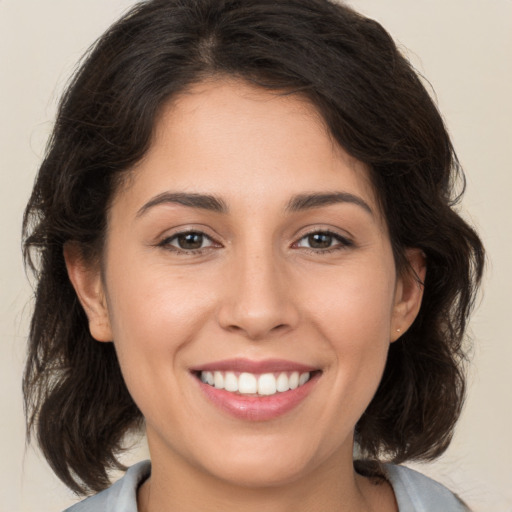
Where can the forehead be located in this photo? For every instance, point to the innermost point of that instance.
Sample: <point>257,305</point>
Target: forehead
<point>236,141</point>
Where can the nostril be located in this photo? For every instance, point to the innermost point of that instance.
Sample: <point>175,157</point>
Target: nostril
<point>280,327</point>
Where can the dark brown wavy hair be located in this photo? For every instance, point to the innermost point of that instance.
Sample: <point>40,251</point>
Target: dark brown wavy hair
<point>375,107</point>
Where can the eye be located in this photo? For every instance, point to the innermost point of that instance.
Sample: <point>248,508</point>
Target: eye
<point>188,241</point>
<point>323,241</point>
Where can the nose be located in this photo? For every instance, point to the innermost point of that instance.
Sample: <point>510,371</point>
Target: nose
<point>259,299</point>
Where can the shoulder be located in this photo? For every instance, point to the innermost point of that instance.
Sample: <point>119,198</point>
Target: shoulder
<point>417,493</point>
<point>121,496</point>
<point>414,492</point>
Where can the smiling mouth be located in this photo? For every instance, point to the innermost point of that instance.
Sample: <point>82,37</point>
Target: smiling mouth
<point>256,390</point>
<point>253,384</point>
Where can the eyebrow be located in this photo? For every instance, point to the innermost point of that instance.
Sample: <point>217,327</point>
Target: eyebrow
<point>211,203</point>
<point>316,200</point>
<point>202,201</point>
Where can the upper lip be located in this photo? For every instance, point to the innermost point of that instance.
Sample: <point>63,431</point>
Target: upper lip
<point>250,366</point>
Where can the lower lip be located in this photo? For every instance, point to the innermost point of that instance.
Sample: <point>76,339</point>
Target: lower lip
<point>258,408</point>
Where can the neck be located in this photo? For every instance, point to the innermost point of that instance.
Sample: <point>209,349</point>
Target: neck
<point>332,486</point>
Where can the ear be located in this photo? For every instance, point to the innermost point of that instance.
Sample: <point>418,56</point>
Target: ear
<point>87,282</point>
<point>408,293</point>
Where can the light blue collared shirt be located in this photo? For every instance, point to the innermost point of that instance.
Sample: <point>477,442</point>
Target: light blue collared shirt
<point>414,492</point>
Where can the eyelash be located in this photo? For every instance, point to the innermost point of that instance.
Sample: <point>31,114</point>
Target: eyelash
<point>342,242</point>
<point>166,243</point>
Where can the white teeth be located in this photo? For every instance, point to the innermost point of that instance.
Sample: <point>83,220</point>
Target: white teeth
<point>304,377</point>
<point>267,384</point>
<point>282,383</point>
<point>294,380</point>
<point>246,383</point>
<point>218,380</point>
<point>231,382</point>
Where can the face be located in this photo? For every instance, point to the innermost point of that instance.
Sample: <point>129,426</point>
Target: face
<point>247,251</point>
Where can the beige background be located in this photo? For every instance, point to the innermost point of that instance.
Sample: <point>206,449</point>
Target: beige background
<point>464,47</point>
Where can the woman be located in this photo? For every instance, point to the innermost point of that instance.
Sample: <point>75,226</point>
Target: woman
<point>246,244</point>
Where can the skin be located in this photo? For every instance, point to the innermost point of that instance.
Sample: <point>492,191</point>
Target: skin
<point>256,289</point>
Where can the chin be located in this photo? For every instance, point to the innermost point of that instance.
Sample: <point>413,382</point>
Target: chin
<point>260,473</point>
<point>260,462</point>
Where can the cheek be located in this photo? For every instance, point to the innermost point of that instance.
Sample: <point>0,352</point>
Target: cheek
<point>153,317</point>
<point>353,317</point>
<point>148,298</point>
<point>353,307</point>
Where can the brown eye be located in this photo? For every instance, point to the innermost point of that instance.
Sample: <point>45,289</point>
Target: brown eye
<point>188,241</point>
<point>320,240</point>
<point>323,241</point>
